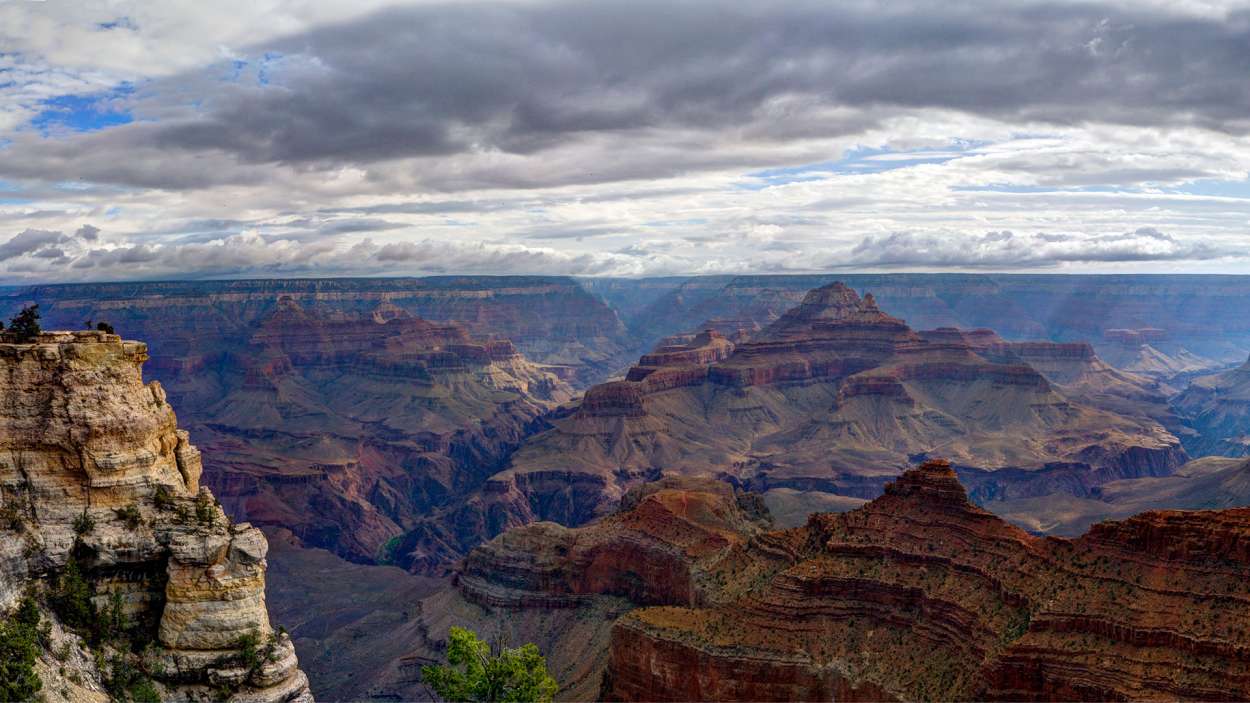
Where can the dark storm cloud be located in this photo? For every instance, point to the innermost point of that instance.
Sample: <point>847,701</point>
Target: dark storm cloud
<point>1005,249</point>
<point>88,233</point>
<point>444,80</point>
<point>30,241</point>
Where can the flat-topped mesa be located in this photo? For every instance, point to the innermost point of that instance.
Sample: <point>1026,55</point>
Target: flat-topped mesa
<point>918,595</point>
<point>95,475</point>
<point>1135,337</point>
<point>979,338</point>
<point>614,399</point>
<point>706,347</point>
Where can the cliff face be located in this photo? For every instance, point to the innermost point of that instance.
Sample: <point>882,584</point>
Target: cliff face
<point>350,427</point>
<point>98,482</point>
<point>1217,408</point>
<point>835,395</point>
<point>920,595</point>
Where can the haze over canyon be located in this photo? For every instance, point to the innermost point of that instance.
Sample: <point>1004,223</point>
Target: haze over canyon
<point>626,350</point>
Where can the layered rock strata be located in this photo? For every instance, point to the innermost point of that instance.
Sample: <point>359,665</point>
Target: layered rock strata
<point>350,427</point>
<point>920,595</point>
<point>669,543</point>
<point>834,395</point>
<point>96,479</point>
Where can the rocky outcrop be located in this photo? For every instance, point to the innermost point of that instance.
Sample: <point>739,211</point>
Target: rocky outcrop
<point>706,347</point>
<point>655,550</point>
<point>1217,409</point>
<point>98,482</point>
<point>834,388</point>
<point>920,595</point>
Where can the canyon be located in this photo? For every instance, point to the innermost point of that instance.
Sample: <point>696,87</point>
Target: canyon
<point>687,592</point>
<point>834,396</point>
<point>348,428</point>
<point>483,433</point>
<point>137,574</point>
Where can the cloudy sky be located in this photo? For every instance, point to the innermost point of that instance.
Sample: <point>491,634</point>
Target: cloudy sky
<point>233,138</point>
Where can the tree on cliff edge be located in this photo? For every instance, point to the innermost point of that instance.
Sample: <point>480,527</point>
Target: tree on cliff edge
<point>24,327</point>
<point>475,673</point>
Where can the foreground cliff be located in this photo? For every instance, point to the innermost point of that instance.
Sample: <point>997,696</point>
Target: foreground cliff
<point>142,586</point>
<point>920,595</point>
<point>684,595</point>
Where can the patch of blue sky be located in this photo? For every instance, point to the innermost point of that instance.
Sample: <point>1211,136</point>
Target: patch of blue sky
<point>858,161</point>
<point>84,113</point>
<point>260,69</point>
<point>1027,189</point>
<point>1213,187</point>
<point>9,187</point>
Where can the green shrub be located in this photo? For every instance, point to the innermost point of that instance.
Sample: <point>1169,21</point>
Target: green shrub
<point>476,673</point>
<point>19,647</point>
<point>126,682</point>
<point>163,499</point>
<point>130,515</point>
<point>11,518</point>
<point>70,597</point>
<point>84,524</point>
<point>24,327</point>
<point>204,512</point>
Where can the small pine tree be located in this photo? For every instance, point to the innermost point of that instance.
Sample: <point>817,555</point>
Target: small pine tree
<point>476,673</point>
<point>105,327</point>
<point>24,327</point>
<point>19,637</point>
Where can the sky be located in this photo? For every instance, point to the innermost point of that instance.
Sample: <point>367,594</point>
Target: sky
<point>265,138</point>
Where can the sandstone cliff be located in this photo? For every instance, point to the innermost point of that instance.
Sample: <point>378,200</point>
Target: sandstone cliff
<point>139,575</point>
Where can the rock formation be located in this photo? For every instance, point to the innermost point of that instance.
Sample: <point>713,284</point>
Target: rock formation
<point>920,595</point>
<point>562,588</point>
<point>349,427</point>
<point>99,488</point>
<point>1202,317</point>
<point>836,396</point>
<point>1217,408</point>
<point>199,330</point>
<point>683,594</point>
